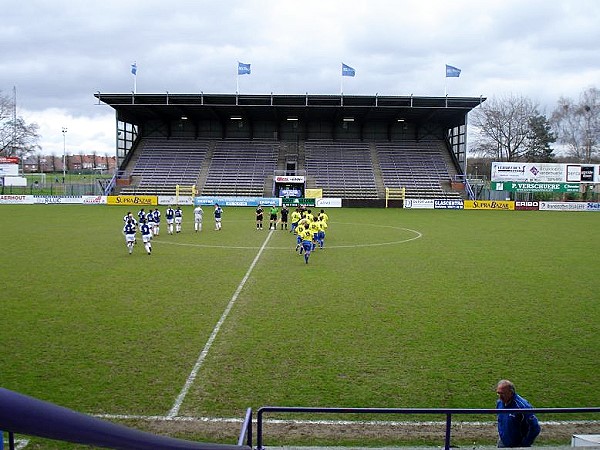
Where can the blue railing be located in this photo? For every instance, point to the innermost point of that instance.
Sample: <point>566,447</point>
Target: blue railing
<point>29,416</point>
<point>448,413</point>
<point>246,432</point>
<point>468,187</point>
<point>111,185</point>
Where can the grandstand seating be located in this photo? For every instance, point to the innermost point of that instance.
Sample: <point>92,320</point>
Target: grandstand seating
<point>164,163</point>
<point>420,167</point>
<point>341,169</point>
<point>241,168</point>
<point>346,169</point>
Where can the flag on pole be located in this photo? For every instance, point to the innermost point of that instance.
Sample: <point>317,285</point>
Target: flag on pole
<point>347,71</point>
<point>452,71</point>
<point>134,68</point>
<point>243,69</point>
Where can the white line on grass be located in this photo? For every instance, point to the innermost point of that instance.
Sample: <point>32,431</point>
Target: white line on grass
<point>190,380</point>
<point>417,235</point>
<point>326,422</point>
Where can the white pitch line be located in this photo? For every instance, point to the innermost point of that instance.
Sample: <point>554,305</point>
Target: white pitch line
<point>190,380</point>
<point>327,422</point>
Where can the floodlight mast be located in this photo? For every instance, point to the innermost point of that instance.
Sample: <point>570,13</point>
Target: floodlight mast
<point>64,132</point>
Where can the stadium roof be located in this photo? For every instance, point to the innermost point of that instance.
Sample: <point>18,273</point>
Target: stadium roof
<point>137,108</point>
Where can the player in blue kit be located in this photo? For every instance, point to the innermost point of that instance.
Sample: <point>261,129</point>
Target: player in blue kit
<point>170,215</point>
<point>146,235</point>
<point>129,231</point>
<point>178,219</point>
<point>218,216</point>
<point>156,215</point>
<point>150,221</point>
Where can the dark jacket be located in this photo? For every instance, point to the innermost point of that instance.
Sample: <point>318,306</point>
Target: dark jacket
<point>517,430</point>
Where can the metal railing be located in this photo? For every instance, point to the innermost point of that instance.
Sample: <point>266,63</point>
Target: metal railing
<point>33,417</point>
<point>246,431</point>
<point>448,413</point>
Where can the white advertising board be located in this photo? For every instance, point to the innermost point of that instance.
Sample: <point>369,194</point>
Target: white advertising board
<point>545,172</point>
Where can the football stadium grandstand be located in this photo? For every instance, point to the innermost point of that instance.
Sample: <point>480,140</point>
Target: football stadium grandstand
<point>350,147</point>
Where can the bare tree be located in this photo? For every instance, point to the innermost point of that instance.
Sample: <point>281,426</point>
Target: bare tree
<point>17,138</point>
<point>504,127</point>
<point>577,125</point>
<point>53,162</point>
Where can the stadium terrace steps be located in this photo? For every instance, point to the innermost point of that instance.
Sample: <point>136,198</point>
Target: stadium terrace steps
<point>341,169</point>
<point>346,169</point>
<point>241,168</point>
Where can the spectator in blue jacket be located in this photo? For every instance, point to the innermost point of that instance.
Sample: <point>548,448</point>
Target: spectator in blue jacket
<point>514,430</point>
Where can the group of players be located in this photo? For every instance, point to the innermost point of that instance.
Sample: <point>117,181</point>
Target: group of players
<point>308,228</point>
<point>148,224</point>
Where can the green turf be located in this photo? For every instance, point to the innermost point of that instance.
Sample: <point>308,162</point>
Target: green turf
<point>404,308</point>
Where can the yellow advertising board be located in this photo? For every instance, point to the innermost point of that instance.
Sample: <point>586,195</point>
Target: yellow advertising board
<point>133,200</point>
<point>313,193</point>
<point>502,205</point>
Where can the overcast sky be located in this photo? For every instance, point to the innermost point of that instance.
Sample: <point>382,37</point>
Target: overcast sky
<point>59,53</point>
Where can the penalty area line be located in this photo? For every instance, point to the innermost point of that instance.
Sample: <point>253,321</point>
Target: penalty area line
<point>190,379</point>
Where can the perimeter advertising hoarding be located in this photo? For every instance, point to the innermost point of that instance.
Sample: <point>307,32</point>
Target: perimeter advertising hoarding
<point>569,206</point>
<point>449,204</point>
<point>514,186</point>
<point>417,203</point>
<point>56,200</point>
<point>16,199</point>
<point>237,201</point>
<point>428,203</point>
<point>328,202</point>
<point>527,206</point>
<point>293,201</point>
<point>545,172</point>
<point>175,200</point>
<point>498,205</point>
<point>132,200</point>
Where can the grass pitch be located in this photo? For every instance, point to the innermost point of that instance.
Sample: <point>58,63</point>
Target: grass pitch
<point>403,308</point>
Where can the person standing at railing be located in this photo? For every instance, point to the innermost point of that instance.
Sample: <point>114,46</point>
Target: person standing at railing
<point>515,430</point>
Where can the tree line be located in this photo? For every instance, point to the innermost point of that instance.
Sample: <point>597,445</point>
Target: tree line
<point>512,128</point>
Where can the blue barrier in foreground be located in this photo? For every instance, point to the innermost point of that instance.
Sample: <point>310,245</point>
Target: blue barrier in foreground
<point>448,412</point>
<point>27,415</point>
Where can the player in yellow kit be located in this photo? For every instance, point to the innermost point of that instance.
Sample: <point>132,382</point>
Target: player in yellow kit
<point>321,234</point>
<point>307,244</point>
<point>296,216</point>
<point>314,229</point>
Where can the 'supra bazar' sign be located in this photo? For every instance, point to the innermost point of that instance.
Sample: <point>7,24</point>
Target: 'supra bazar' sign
<point>135,200</point>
